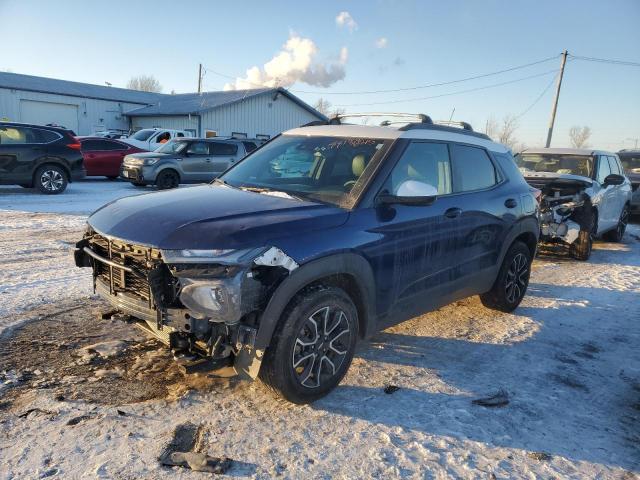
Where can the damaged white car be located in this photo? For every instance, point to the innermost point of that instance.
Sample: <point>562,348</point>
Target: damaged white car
<point>584,194</point>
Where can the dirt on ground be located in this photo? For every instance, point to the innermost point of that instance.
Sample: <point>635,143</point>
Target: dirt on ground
<point>74,354</point>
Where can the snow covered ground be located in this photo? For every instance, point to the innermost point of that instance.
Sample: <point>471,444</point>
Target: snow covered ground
<point>86,398</point>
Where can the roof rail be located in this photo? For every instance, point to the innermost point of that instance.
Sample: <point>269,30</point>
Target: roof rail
<point>449,123</point>
<point>337,119</point>
<point>444,128</point>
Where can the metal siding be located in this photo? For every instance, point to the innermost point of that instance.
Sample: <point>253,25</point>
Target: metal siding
<point>181,122</point>
<point>254,116</point>
<point>92,113</point>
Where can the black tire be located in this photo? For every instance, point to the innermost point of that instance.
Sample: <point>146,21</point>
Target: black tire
<point>291,367</point>
<point>167,179</point>
<point>50,179</point>
<point>138,184</point>
<point>513,278</point>
<point>581,248</point>
<point>617,233</point>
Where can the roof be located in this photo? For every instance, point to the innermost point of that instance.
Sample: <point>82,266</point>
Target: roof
<point>64,87</point>
<point>196,103</point>
<point>393,132</point>
<point>566,151</point>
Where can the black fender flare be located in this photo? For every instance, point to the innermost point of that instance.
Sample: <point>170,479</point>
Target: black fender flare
<point>248,360</point>
<point>529,225</point>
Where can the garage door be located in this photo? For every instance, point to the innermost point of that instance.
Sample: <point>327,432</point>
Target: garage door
<point>42,113</point>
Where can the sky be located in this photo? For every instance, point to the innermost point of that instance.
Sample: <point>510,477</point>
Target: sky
<point>323,49</point>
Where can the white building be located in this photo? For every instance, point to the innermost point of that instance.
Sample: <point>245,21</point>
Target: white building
<point>86,108</point>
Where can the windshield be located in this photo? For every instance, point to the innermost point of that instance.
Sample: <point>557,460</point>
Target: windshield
<point>143,135</point>
<point>555,163</point>
<point>318,168</point>
<point>173,146</point>
<point>630,163</point>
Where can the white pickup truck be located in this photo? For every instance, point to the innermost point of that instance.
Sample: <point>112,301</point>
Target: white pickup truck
<point>151,138</point>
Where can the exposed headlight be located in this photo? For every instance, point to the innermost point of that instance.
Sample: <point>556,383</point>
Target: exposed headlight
<point>210,299</point>
<point>224,256</point>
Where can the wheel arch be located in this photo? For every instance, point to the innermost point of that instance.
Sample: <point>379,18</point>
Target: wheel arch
<point>348,271</point>
<point>51,161</point>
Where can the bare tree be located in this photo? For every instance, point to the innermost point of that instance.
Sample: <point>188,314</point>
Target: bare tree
<point>144,83</point>
<point>324,107</point>
<point>579,136</point>
<point>504,131</point>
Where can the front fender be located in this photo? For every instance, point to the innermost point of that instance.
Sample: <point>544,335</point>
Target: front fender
<point>248,361</point>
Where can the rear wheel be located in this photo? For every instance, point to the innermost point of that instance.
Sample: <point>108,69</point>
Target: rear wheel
<point>617,234</point>
<point>511,285</point>
<point>313,345</point>
<point>167,179</point>
<point>50,179</point>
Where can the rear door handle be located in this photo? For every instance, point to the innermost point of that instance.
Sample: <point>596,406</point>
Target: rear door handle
<point>453,212</point>
<point>510,203</point>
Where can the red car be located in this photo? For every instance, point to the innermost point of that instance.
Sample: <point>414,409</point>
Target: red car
<point>103,156</point>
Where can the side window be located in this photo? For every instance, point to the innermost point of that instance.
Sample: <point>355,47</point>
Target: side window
<point>249,146</point>
<point>90,145</point>
<point>423,162</point>
<point>164,137</point>
<point>472,169</point>
<point>613,166</point>
<point>17,136</point>
<point>180,134</point>
<point>45,136</point>
<point>220,148</point>
<point>198,148</point>
<point>603,168</point>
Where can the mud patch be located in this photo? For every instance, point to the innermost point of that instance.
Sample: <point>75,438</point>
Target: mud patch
<point>73,354</point>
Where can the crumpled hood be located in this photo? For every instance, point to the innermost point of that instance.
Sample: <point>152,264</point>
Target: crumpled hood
<point>211,217</point>
<point>549,177</point>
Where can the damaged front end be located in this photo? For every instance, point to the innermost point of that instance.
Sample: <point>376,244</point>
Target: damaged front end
<point>204,304</point>
<point>566,209</point>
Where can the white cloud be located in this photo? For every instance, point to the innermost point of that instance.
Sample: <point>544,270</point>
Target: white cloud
<point>296,62</point>
<point>381,42</point>
<point>344,19</point>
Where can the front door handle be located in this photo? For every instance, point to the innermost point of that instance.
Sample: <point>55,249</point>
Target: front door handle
<point>510,203</point>
<point>453,212</point>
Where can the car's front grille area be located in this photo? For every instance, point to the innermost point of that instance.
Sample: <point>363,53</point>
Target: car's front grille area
<point>138,259</point>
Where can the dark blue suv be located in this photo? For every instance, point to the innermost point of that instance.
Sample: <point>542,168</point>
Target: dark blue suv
<point>319,238</point>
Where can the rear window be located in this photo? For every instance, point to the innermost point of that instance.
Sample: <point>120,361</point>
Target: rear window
<point>101,145</point>
<point>472,169</point>
<point>220,148</point>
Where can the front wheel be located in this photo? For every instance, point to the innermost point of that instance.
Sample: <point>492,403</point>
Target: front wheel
<point>167,179</point>
<point>50,179</point>
<point>513,278</point>
<point>313,345</point>
<point>617,234</point>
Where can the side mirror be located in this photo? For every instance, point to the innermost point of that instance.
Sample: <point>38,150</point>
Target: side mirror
<point>613,179</point>
<point>411,193</point>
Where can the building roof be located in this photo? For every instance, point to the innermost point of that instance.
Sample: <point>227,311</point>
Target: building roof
<point>76,89</point>
<point>155,104</point>
<point>196,103</point>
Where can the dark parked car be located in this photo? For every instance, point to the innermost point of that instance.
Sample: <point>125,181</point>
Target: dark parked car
<point>46,158</point>
<point>103,156</point>
<point>279,275</point>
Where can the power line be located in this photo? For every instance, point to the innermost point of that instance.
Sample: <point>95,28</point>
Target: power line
<point>451,82</point>
<point>406,89</point>
<point>606,60</point>
<point>448,94</point>
<point>535,102</point>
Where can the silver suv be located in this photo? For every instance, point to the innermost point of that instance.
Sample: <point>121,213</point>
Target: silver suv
<point>185,160</point>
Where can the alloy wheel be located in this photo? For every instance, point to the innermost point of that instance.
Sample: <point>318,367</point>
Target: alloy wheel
<point>51,180</point>
<point>321,346</point>
<point>516,279</point>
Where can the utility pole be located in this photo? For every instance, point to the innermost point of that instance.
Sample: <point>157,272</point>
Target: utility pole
<point>555,100</point>
<point>200,79</point>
